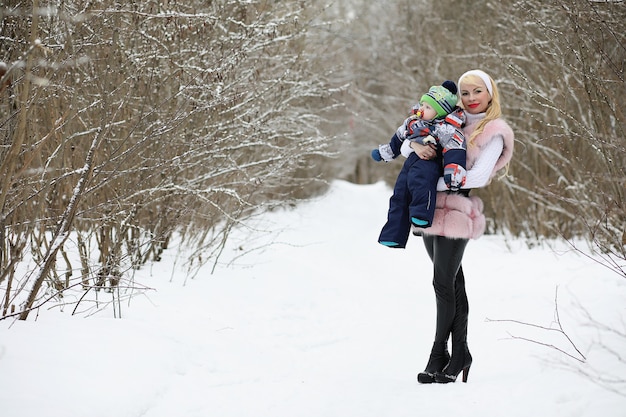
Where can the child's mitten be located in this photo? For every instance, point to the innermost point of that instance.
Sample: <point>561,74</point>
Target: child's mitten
<point>383,153</point>
<point>454,176</point>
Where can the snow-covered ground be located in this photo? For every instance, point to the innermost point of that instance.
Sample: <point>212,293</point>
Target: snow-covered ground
<point>325,322</point>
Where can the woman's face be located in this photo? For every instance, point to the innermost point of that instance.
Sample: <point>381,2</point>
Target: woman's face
<point>475,97</point>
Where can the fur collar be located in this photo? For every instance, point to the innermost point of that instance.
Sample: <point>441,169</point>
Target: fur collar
<point>497,127</point>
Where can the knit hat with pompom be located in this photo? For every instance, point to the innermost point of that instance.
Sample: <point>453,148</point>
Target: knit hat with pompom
<point>442,98</point>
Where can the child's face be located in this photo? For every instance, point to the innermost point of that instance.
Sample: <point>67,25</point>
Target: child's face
<point>428,113</point>
<point>475,97</point>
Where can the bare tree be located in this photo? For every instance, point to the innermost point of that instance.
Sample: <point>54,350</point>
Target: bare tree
<point>127,123</point>
<point>209,113</point>
<point>573,126</point>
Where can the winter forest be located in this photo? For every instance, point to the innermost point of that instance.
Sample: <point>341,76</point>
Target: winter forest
<point>124,124</point>
<point>142,136</point>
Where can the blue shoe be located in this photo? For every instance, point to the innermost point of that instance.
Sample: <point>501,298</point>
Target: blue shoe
<point>388,244</point>
<point>419,222</point>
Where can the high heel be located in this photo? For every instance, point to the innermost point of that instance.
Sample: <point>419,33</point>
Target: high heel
<point>439,358</point>
<point>444,378</point>
<point>458,363</point>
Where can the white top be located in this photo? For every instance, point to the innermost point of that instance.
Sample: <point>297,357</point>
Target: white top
<point>480,173</point>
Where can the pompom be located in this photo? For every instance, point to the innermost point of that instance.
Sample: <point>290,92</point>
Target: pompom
<point>450,86</point>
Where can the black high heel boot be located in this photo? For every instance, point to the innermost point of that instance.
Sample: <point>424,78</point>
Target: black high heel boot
<point>459,362</point>
<point>439,358</point>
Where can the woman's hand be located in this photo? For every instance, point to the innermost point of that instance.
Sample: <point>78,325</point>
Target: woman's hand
<point>424,151</point>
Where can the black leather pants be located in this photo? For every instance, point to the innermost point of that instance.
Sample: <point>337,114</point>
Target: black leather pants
<point>449,284</point>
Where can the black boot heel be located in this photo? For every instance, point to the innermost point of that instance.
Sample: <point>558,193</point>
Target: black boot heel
<point>444,378</point>
<point>465,373</point>
<point>458,363</point>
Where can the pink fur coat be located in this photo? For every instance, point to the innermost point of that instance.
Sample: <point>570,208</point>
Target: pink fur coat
<point>456,215</point>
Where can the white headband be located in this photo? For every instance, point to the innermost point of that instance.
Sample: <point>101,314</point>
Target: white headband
<point>482,75</point>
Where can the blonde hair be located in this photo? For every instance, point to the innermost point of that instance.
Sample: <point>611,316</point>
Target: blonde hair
<point>493,110</point>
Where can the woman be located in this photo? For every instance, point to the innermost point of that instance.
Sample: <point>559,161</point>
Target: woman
<point>458,218</point>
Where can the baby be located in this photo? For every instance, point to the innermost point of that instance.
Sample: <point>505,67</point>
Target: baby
<point>435,120</point>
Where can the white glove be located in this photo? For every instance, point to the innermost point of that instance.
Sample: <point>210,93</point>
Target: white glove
<point>406,149</point>
<point>385,152</point>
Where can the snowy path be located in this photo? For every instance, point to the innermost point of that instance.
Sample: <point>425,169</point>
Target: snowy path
<point>327,323</point>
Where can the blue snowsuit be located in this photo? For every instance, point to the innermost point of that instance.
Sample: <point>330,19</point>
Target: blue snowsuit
<point>415,189</point>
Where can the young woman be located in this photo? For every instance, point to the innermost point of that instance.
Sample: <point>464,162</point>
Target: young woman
<point>458,218</point>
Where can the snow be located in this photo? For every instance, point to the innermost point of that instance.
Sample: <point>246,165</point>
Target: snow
<point>326,322</point>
